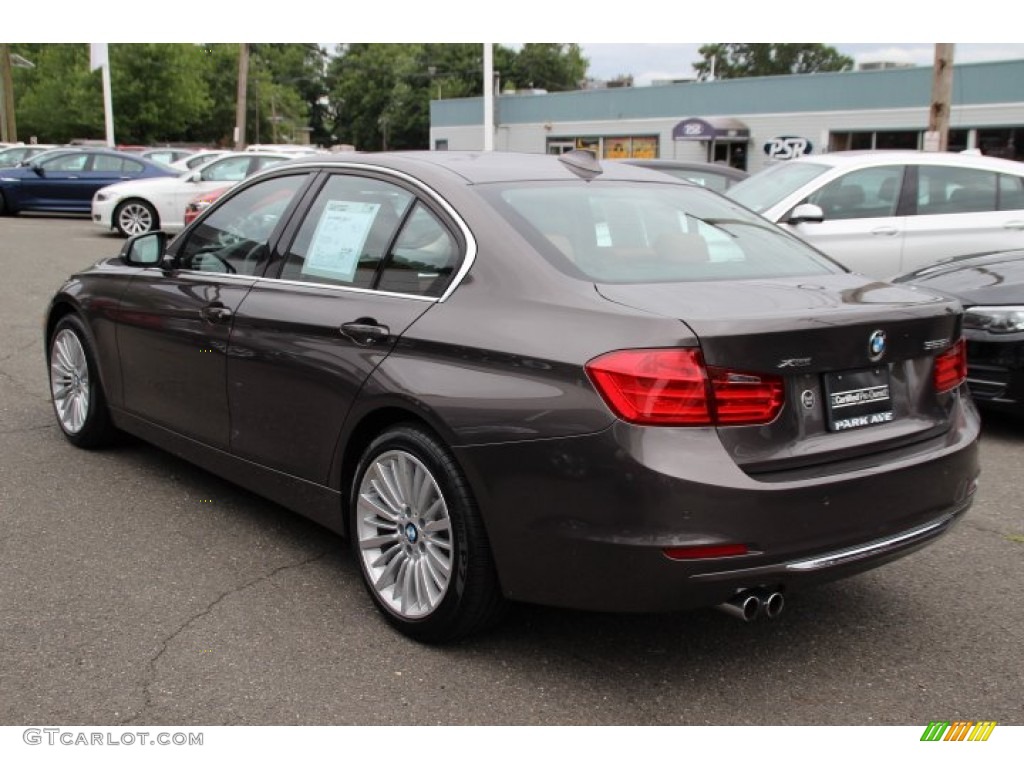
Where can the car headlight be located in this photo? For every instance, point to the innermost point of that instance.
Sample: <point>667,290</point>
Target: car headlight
<point>101,197</point>
<point>995,319</point>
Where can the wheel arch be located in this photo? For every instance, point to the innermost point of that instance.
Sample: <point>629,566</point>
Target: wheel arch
<point>353,444</point>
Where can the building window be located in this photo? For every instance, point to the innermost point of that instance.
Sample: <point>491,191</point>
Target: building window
<point>606,146</point>
<point>1002,142</point>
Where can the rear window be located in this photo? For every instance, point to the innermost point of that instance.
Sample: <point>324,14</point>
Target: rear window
<point>639,233</point>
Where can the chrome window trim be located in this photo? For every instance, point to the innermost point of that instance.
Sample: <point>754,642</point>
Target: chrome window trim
<point>467,234</point>
<point>346,289</point>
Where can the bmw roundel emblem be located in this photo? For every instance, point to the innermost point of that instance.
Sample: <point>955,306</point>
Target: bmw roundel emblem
<point>876,345</point>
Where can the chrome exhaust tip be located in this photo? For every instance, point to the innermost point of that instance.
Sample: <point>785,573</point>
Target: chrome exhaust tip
<point>773,602</point>
<point>745,606</point>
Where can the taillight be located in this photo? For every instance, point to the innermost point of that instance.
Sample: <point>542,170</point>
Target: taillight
<point>665,387</point>
<point>951,367</point>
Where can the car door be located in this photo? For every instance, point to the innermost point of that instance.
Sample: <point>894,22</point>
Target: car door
<point>174,324</point>
<point>368,258</point>
<point>104,170</point>
<point>961,211</point>
<point>55,184</point>
<point>862,228</point>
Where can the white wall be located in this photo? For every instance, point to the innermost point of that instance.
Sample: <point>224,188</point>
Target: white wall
<point>532,137</point>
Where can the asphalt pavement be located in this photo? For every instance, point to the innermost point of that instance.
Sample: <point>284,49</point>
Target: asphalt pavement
<point>137,589</point>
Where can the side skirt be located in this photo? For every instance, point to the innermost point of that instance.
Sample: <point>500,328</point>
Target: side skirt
<point>320,504</point>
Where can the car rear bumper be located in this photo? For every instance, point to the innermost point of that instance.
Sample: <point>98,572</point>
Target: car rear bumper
<point>584,522</point>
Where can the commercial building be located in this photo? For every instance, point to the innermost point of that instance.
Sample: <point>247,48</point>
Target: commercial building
<point>750,122</point>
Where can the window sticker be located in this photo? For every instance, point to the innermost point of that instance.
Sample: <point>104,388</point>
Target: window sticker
<point>339,239</point>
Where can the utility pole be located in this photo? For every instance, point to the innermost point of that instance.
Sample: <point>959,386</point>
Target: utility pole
<point>243,87</point>
<point>9,130</point>
<point>937,138</point>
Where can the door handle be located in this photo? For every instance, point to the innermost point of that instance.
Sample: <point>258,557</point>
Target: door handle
<point>365,332</point>
<point>885,231</point>
<point>1014,225</point>
<point>217,313</point>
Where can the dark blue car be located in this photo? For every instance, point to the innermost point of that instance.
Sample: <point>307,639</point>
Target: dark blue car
<point>66,179</point>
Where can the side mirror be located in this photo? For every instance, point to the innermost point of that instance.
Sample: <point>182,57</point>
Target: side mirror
<point>37,169</point>
<point>806,212</point>
<point>145,250</point>
<point>195,178</point>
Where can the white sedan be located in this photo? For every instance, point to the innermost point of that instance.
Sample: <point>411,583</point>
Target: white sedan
<point>134,207</point>
<point>886,212</point>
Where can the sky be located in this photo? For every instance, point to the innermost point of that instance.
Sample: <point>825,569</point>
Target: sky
<point>662,61</point>
<point>641,39</point>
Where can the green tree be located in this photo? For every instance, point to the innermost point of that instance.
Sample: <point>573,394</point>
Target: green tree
<point>59,99</point>
<point>286,93</point>
<point>551,66</point>
<point>158,90</point>
<point>732,60</point>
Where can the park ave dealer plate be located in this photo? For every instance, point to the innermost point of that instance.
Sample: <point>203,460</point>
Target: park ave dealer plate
<point>858,398</point>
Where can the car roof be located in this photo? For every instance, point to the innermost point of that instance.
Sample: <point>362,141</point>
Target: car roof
<point>685,165</point>
<point>478,167</point>
<point>866,157</point>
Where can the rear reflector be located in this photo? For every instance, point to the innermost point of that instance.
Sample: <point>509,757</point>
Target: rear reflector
<point>700,553</point>
<point>673,387</point>
<point>951,367</point>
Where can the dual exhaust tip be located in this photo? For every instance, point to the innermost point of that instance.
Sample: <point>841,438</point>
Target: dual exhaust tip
<point>751,604</point>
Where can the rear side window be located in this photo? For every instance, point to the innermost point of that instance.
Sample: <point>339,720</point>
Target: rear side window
<point>423,257</point>
<point>1011,192</point>
<point>943,190</point>
<point>115,164</point>
<point>347,232</point>
<point>636,233</point>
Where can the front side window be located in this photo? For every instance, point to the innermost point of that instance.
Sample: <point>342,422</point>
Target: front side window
<point>865,194</point>
<point>347,232</point>
<point>773,185</point>
<point>946,189</point>
<point>229,169</point>
<point>70,162</point>
<point>642,233</point>
<point>235,238</point>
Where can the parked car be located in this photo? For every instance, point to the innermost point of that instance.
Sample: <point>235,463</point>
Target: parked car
<point>201,157</point>
<point>527,377</point>
<point>200,203</point>
<point>17,154</point>
<point>886,212</point>
<point>991,289</point>
<point>167,155</point>
<point>135,207</point>
<point>714,176</point>
<point>64,180</point>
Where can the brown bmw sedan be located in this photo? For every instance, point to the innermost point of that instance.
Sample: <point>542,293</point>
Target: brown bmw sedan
<point>522,377</point>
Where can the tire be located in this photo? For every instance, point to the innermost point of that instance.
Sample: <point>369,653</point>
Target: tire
<point>3,205</point>
<point>419,540</point>
<point>135,217</point>
<point>75,389</point>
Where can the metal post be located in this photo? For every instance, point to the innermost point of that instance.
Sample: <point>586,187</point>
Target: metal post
<point>488,97</point>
